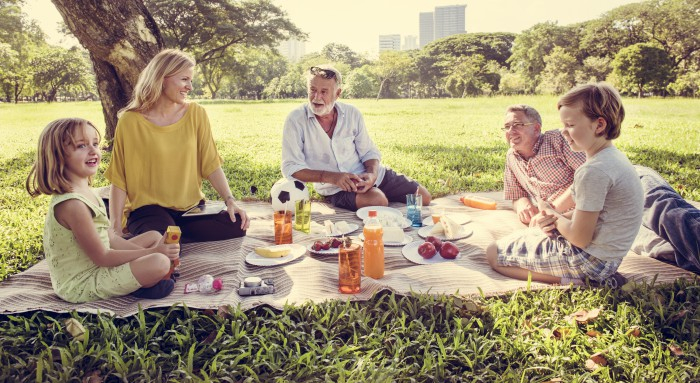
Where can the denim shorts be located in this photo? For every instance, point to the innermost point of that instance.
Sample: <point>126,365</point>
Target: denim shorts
<point>531,249</point>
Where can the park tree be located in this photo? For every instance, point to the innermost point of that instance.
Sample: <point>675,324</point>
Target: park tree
<point>391,67</point>
<point>534,44</point>
<point>559,74</point>
<point>360,83</point>
<point>594,69</point>
<point>23,38</point>
<point>121,37</point>
<point>340,53</point>
<point>643,68</point>
<point>256,67</point>
<point>58,69</point>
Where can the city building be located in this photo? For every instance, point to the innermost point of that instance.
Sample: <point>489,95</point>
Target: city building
<point>409,42</point>
<point>293,50</point>
<point>389,43</point>
<point>426,28</point>
<point>444,21</point>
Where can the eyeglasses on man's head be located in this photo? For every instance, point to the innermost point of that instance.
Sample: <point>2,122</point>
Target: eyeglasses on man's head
<point>325,73</point>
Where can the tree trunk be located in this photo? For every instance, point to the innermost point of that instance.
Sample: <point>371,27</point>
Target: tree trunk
<point>121,37</point>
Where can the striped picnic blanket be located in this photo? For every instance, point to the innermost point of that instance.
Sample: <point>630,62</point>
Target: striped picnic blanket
<point>314,277</point>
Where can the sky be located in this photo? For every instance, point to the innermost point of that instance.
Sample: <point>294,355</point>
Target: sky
<point>358,23</point>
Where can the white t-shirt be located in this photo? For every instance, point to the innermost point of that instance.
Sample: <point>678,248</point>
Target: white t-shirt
<point>608,183</point>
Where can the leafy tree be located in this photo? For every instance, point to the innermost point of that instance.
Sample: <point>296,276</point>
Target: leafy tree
<point>258,68</point>
<point>594,69</point>
<point>512,83</point>
<point>687,84</point>
<point>559,74</point>
<point>470,75</point>
<point>391,67</point>
<point>209,28</point>
<point>340,53</point>
<point>57,68</point>
<point>643,68</point>
<point>532,45</point>
<point>361,83</point>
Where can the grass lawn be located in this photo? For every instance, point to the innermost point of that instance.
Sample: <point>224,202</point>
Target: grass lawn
<point>645,333</point>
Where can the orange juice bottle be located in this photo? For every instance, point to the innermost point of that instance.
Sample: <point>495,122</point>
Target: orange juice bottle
<point>373,247</point>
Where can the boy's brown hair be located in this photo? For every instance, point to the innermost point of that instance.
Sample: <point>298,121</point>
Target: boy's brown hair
<point>598,100</point>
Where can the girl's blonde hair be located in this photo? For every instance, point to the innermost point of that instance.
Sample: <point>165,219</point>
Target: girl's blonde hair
<point>48,172</point>
<point>149,86</point>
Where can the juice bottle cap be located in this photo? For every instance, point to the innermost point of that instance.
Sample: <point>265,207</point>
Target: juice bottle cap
<point>372,213</point>
<point>218,284</point>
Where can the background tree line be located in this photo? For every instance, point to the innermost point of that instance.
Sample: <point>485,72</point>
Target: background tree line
<point>648,48</point>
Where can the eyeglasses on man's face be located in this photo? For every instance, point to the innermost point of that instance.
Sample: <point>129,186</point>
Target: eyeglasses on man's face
<point>515,126</point>
<point>325,73</point>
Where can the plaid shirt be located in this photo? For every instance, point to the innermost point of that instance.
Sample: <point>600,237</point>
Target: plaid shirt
<point>547,174</point>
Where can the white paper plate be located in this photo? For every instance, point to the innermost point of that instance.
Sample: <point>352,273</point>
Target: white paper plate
<point>352,226</point>
<point>406,240</point>
<point>459,218</point>
<point>410,252</point>
<point>364,212</point>
<point>425,231</point>
<point>331,251</point>
<point>296,251</point>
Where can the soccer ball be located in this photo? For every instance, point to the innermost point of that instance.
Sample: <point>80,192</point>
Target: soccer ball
<point>286,190</point>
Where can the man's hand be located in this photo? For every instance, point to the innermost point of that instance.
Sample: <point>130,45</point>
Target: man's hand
<point>366,183</point>
<point>349,182</point>
<point>547,218</point>
<point>527,213</point>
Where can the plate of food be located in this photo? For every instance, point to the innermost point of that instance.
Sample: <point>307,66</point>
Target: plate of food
<point>459,218</point>
<point>388,216</point>
<point>446,229</point>
<point>339,228</point>
<point>326,247</point>
<point>275,255</point>
<point>425,253</point>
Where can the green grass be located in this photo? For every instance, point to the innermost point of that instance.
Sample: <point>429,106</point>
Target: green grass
<point>450,146</point>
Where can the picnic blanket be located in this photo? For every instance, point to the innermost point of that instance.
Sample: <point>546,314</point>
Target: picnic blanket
<point>315,277</point>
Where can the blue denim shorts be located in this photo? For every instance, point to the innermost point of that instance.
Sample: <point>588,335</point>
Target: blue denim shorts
<point>531,249</point>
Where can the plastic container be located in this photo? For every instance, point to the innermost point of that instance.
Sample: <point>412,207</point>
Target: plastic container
<point>205,284</point>
<point>349,267</point>
<point>373,247</point>
<point>478,202</point>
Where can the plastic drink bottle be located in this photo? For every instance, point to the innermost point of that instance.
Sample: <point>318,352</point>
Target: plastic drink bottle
<point>205,284</point>
<point>373,247</point>
<point>172,235</point>
<point>349,267</point>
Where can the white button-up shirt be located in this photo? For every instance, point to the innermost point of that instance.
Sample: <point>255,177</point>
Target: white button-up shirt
<point>305,145</point>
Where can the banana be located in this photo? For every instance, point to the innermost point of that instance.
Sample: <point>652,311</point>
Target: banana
<point>272,253</point>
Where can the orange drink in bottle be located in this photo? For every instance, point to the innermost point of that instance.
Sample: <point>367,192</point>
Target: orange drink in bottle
<point>373,247</point>
<point>349,267</point>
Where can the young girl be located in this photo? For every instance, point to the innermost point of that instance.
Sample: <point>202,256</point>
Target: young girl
<point>590,242</point>
<point>86,261</point>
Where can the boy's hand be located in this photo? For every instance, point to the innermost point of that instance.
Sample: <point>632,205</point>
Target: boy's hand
<point>546,222</point>
<point>170,250</point>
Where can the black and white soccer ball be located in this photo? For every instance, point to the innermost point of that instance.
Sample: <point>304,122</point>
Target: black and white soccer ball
<point>286,192</point>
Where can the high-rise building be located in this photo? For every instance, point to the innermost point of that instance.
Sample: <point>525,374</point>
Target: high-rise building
<point>293,50</point>
<point>426,27</point>
<point>445,21</point>
<point>389,43</point>
<point>449,20</point>
<point>409,42</point>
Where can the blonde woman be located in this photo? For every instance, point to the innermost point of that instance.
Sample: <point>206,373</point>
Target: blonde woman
<point>163,150</point>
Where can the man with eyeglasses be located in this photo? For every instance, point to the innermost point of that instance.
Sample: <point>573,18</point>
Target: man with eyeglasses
<point>541,166</point>
<point>538,165</point>
<point>326,142</point>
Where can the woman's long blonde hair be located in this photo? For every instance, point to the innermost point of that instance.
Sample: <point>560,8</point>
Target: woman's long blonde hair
<point>48,174</point>
<point>149,86</point>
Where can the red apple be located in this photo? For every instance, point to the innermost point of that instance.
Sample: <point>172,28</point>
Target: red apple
<point>435,241</point>
<point>427,250</point>
<point>449,250</point>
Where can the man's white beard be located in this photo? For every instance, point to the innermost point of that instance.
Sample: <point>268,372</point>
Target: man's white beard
<point>328,108</point>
